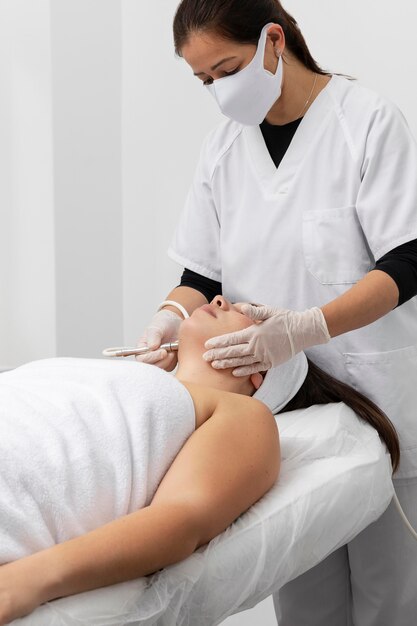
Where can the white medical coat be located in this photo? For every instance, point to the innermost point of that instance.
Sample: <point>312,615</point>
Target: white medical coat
<point>298,236</point>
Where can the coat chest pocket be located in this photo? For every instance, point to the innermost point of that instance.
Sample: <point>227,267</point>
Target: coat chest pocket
<point>334,246</point>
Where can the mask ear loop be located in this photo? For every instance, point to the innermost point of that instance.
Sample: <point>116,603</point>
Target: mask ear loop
<point>262,47</point>
<point>260,50</point>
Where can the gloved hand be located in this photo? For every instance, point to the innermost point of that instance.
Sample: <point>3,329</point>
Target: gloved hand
<point>163,328</point>
<point>280,335</point>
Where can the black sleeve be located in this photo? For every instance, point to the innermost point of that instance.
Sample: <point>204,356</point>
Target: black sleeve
<point>401,265</point>
<point>208,287</point>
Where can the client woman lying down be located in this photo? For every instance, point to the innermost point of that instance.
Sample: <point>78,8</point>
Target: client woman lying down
<point>110,471</point>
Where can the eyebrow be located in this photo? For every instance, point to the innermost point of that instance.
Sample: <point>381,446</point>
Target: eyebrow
<point>216,66</point>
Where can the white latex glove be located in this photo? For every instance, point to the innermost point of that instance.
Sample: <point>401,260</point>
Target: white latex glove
<point>280,335</point>
<point>163,328</point>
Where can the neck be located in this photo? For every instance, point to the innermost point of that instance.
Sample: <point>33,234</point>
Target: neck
<point>297,88</point>
<point>201,372</point>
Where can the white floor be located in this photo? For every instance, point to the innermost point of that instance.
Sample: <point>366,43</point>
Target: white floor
<point>262,614</point>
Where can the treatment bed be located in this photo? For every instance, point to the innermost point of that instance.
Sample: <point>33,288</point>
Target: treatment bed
<point>335,480</point>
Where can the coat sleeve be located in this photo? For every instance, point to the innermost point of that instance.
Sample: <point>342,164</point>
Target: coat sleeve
<point>196,240</point>
<point>387,198</point>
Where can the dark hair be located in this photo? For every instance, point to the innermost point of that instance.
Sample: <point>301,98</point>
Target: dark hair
<point>321,388</point>
<point>241,21</point>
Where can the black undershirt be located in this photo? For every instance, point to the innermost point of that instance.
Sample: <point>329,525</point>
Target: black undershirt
<point>400,263</point>
<point>278,138</point>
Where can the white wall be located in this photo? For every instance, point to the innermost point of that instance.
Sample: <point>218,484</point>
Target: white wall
<point>60,178</point>
<point>5,174</point>
<point>86,86</point>
<point>373,41</point>
<point>27,307</point>
<point>165,117</point>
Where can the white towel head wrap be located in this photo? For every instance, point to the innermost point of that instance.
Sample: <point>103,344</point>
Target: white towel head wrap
<point>281,383</point>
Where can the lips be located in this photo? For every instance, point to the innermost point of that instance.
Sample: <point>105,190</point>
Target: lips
<point>208,309</point>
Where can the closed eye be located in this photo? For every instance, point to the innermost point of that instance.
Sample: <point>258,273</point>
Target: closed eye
<point>209,81</point>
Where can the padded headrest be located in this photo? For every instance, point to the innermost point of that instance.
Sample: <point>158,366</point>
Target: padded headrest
<point>281,383</point>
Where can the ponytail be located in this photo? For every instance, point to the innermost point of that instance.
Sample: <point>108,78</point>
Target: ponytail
<point>321,388</point>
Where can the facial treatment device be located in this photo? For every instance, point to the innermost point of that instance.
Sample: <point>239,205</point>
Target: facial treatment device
<point>123,351</point>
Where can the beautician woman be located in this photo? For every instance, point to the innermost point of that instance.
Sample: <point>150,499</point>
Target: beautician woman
<point>305,200</point>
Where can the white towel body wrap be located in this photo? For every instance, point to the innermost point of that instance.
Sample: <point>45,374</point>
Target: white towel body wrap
<point>83,442</point>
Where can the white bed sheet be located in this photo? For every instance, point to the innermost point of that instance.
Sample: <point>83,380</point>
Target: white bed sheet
<point>335,480</point>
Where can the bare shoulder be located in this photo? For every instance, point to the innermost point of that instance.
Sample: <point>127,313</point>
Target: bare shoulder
<point>236,403</point>
<point>208,400</point>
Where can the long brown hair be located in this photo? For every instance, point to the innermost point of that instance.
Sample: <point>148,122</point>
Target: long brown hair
<point>240,21</point>
<point>322,388</point>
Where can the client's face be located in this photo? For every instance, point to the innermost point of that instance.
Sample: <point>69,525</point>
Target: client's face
<point>210,320</point>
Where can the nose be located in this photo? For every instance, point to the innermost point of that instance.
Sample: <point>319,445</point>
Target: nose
<point>221,302</point>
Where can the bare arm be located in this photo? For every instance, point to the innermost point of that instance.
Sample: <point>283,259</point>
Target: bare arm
<point>130,547</point>
<point>372,297</point>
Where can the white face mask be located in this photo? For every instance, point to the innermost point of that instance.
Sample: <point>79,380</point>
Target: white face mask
<point>247,96</point>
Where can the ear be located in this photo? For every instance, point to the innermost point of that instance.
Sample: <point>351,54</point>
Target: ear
<point>277,36</point>
<point>256,380</point>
